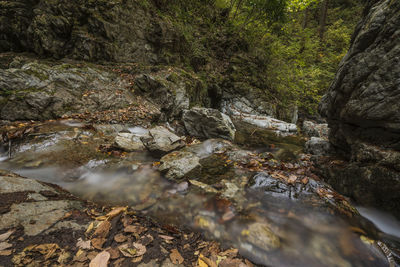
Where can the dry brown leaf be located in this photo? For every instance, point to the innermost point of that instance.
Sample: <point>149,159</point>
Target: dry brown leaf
<point>64,256</point>
<point>101,260</point>
<point>120,238</point>
<point>208,261</point>
<point>6,252</point>
<point>98,242</point>
<point>230,252</point>
<point>137,259</point>
<point>127,251</point>
<point>83,244</point>
<point>292,179</point>
<point>176,257</point>
<point>5,245</point>
<point>304,180</point>
<point>166,237</point>
<point>248,263</point>
<point>116,211</point>
<point>231,263</point>
<point>6,235</point>
<point>136,229</point>
<point>80,256</point>
<point>103,229</point>
<point>140,249</point>
<point>114,253</point>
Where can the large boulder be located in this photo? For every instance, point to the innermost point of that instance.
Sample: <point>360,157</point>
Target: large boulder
<point>362,107</point>
<point>208,123</point>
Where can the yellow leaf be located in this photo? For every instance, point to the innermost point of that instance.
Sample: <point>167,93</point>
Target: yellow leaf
<point>201,263</point>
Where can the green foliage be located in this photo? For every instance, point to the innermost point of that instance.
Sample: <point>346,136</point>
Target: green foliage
<point>269,48</point>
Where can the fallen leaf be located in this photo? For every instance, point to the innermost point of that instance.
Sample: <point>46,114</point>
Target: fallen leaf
<point>230,252</point>
<point>207,261</point>
<point>103,229</point>
<point>292,179</point>
<point>64,256</point>
<point>304,180</point>
<point>140,249</point>
<point>116,211</point>
<point>176,257</point>
<point>98,242</point>
<point>137,229</point>
<point>101,260</point>
<point>6,235</point>
<point>127,251</point>
<point>80,256</point>
<point>114,253</point>
<point>83,244</point>
<point>166,237</point>
<point>201,263</point>
<point>90,228</point>
<point>137,259</point>
<point>5,245</point>
<point>231,263</point>
<point>5,252</point>
<point>119,238</point>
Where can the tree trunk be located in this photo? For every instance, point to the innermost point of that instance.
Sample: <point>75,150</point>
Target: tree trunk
<point>322,18</point>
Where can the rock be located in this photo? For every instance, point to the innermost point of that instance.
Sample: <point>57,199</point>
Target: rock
<point>208,123</point>
<point>130,142</point>
<point>178,164</point>
<point>241,110</point>
<point>35,214</point>
<point>162,141</point>
<point>317,146</point>
<point>362,107</point>
<point>100,30</point>
<point>312,129</point>
<point>38,91</point>
<point>261,235</point>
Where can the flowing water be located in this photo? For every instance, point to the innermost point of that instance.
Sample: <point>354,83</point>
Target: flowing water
<point>270,224</point>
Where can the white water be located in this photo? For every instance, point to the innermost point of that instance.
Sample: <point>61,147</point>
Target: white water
<point>384,221</point>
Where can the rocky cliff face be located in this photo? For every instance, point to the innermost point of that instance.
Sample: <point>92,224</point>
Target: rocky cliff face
<point>89,30</point>
<point>363,109</point>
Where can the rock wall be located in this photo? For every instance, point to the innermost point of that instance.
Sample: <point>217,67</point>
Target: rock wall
<point>120,30</point>
<point>362,107</point>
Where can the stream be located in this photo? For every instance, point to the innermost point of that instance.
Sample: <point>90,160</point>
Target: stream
<point>273,211</point>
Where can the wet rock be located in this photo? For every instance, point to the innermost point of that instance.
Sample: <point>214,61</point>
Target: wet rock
<point>317,146</point>
<point>261,235</point>
<point>312,129</point>
<point>130,142</point>
<point>208,123</point>
<point>162,141</point>
<point>178,164</point>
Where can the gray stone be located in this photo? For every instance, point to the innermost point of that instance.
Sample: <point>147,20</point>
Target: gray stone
<point>312,129</point>
<point>129,142</point>
<point>208,123</point>
<point>13,184</point>
<point>317,146</point>
<point>36,217</point>
<point>38,91</point>
<point>162,141</point>
<point>178,164</point>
